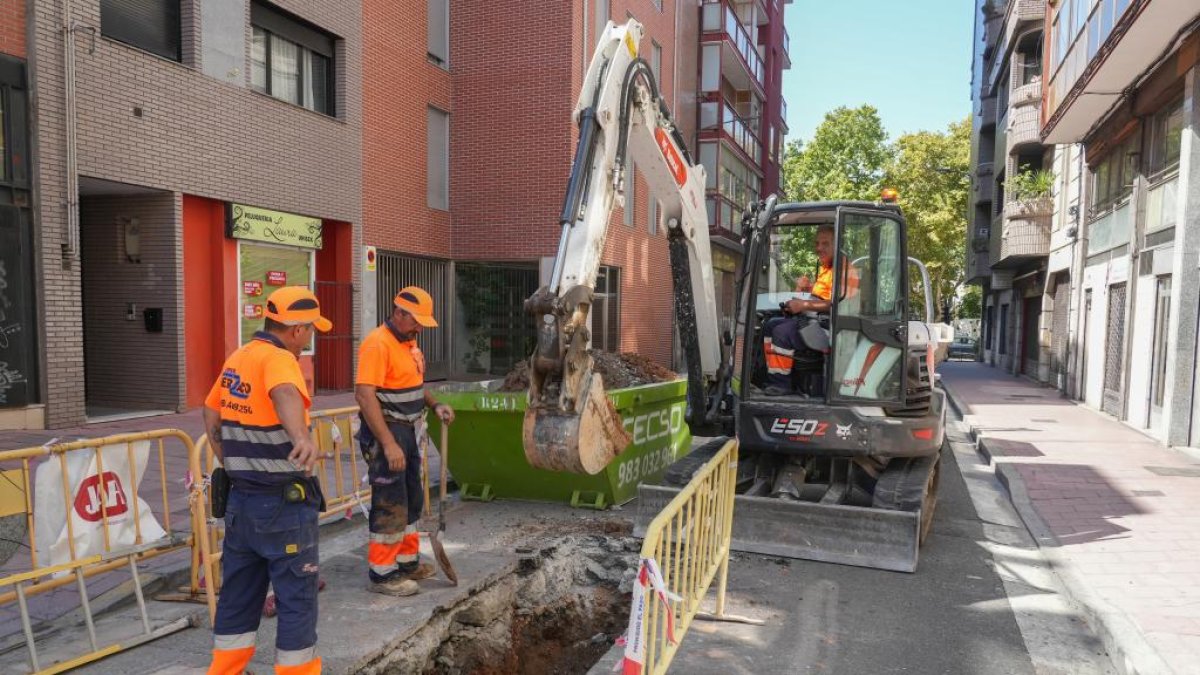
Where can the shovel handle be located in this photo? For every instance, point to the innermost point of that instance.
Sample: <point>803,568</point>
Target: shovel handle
<point>445,459</point>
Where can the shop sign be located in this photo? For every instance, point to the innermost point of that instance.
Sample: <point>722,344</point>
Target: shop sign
<point>273,227</point>
<point>277,278</point>
<point>252,288</point>
<point>252,311</point>
<point>370,258</point>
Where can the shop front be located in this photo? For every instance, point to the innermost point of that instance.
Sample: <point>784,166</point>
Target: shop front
<point>241,254</point>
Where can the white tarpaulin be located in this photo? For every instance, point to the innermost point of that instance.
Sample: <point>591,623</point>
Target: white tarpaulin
<point>86,510</point>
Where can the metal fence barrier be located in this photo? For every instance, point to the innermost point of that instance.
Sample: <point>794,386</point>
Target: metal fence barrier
<point>685,547</point>
<point>339,470</point>
<point>18,497</point>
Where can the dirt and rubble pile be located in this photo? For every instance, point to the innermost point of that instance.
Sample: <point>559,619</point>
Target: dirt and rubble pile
<point>619,370</point>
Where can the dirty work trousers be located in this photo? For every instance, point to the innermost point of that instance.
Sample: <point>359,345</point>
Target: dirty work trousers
<point>267,541</point>
<point>396,504</point>
<point>781,339</point>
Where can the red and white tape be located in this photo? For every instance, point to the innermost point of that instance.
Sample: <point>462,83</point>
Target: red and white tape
<point>649,577</point>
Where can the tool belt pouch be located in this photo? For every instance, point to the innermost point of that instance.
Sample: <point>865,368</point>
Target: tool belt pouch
<point>304,492</point>
<point>218,492</point>
<point>365,439</point>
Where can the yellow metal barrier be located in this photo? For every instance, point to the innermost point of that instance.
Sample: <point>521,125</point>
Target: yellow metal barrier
<point>686,546</point>
<point>339,471</point>
<point>17,497</point>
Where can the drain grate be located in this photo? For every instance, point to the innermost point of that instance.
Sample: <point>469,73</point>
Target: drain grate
<point>1043,420</point>
<point>1149,493</point>
<point>1178,471</point>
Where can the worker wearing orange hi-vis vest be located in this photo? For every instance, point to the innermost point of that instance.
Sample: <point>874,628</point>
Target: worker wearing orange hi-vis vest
<point>256,417</point>
<point>783,340</point>
<point>390,390</point>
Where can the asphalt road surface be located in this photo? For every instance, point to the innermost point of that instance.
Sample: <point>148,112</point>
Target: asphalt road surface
<point>981,602</point>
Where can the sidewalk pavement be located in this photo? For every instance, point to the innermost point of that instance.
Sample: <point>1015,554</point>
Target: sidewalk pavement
<point>1116,512</point>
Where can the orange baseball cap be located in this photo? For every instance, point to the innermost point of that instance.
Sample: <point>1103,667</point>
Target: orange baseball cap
<point>296,306</point>
<point>417,302</point>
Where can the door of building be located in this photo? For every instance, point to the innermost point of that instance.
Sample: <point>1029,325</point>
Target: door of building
<point>1031,312</point>
<point>1158,372</point>
<point>334,357</point>
<point>1114,351</point>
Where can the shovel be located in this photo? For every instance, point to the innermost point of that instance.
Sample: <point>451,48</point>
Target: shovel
<point>435,537</point>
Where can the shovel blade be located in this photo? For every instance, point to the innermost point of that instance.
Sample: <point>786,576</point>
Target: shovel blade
<point>443,560</point>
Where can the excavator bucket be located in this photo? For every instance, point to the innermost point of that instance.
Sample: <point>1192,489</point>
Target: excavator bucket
<point>582,440</point>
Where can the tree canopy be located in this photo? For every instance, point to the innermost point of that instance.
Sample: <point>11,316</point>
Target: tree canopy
<point>849,157</point>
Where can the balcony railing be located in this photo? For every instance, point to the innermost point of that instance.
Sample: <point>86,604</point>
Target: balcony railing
<point>1025,126</point>
<point>718,114</point>
<point>1161,202</point>
<point>787,49</point>
<point>719,16</point>
<point>1026,230</point>
<point>783,109</point>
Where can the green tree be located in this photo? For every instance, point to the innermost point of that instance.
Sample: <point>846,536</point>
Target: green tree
<point>970,306</point>
<point>930,169</point>
<point>845,159</point>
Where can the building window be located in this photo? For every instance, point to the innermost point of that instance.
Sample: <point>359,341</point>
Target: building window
<point>1112,177</point>
<point>1003,329</point>
<point>1162,322</point>
<point>291,60</point>
<point>989,326</point>
<point>1166,134</point>
<point>152,25</point>
<point>652,211</point>
<point>656,66</point>
<point>606,310</point>
<point>602,16</point>
<point>658,4</point>
<point>438,168</point>
<point>438,12</point>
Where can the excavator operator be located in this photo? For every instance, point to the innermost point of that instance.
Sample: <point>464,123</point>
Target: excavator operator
<point>795,345</point>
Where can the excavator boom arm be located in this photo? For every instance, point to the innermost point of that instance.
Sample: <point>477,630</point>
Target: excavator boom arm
<point>623,122</point>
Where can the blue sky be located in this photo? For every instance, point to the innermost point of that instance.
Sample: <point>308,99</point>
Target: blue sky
<point>911,59</point>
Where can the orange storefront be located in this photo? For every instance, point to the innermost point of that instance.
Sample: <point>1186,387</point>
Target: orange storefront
<point>234,255</point>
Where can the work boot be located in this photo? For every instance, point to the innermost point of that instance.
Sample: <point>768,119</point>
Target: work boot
<point>422,570</point>
<point>397,585</point>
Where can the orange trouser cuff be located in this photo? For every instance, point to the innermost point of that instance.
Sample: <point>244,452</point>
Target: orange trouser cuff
<point>311,668</point>
<point>230,661</point>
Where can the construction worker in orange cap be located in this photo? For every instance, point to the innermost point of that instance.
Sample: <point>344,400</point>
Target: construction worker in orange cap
<point>391,395</point>
<point>256,418</point>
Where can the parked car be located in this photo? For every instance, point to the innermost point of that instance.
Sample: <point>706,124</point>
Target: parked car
<point>962,348</point>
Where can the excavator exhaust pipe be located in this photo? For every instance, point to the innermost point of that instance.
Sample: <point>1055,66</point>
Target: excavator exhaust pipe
<point>584,439</point>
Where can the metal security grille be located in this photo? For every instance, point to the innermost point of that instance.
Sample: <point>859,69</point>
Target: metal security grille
<point>495,333</point>
<point>335,349</point>
<point>1114,348</point>
<point>1060,326</point>
<point>397,271</point>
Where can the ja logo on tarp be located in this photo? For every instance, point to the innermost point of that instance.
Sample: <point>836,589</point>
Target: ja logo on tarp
<point>88,503</point>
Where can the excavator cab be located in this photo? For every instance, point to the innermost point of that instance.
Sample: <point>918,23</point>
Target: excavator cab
<point>845,259</point>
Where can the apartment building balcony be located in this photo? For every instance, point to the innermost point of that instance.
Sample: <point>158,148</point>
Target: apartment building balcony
<point>977,267</point>
<point>1029,10</point>
<point>1023,129</point>
<point>983,183</point>
<point>738,59</point>
<point>987,112</point>
<point>718,119</point>
<point>1109,54</point>
<point>785,50</point>
<point>1026,232</point>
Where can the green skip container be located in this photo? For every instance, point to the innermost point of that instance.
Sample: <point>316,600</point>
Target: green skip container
<point>488,462</point>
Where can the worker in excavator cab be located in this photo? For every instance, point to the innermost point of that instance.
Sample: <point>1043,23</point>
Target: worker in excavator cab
<point>795,345</point>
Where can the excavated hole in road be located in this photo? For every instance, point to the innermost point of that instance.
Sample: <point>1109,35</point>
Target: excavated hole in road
<point>558,613</point>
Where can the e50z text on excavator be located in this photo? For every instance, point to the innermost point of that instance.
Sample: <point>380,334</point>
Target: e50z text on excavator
<point>820,373</point>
